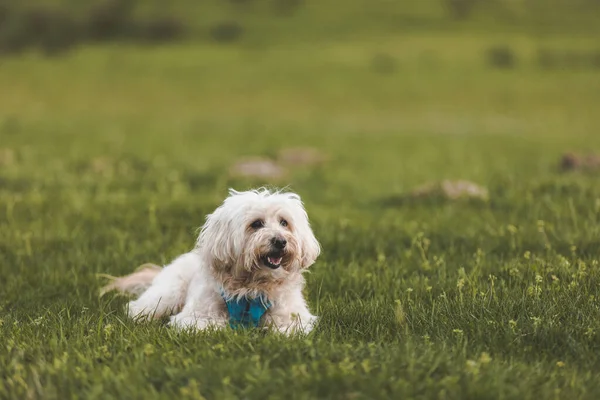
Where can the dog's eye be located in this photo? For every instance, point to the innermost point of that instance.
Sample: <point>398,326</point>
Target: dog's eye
<point>283,222</point>
<point>259,223</point>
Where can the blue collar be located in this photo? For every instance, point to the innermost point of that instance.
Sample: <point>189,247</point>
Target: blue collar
<point>244,312</point>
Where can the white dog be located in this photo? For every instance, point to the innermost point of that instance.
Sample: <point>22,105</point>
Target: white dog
<point>246,269</point>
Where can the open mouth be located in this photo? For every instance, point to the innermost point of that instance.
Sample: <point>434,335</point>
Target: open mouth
<point>273,260</point>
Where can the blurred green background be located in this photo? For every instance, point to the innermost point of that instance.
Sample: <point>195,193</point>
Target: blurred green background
<point>200,84</point>
<point>438,66</point>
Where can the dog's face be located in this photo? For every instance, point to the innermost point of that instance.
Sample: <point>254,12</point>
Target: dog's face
<point>270,237</point>
<point>259,232</point>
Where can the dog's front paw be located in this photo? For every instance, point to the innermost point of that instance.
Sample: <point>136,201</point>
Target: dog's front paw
<point>309,324</point>
<point>187,322</point>
<point>138,312</point>
<point>301,326</point>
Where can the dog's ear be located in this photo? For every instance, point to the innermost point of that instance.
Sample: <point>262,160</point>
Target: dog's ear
<point>309,245</point>
<point>310,249</point>
<point>216,241</point>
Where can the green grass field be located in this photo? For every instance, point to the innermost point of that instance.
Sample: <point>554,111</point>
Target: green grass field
<point>111,156</point>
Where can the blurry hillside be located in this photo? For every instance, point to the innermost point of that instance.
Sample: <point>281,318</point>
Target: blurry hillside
<point>422,66</point>
<point>55,25</point>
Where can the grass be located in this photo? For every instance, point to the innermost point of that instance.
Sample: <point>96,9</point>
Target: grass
<point>111,156</point>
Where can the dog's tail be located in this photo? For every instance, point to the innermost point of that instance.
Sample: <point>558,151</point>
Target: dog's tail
<point>133,284</point>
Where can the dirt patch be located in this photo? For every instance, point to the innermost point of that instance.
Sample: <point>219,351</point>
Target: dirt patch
<point>579,162</point>
<point>257,167</point>
<point>101,165</point>
<point>452,190</point>
<point>7,157</point>
<point>301,156</point>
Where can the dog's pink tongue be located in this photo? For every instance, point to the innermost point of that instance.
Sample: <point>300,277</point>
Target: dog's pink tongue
<point>275,261</point>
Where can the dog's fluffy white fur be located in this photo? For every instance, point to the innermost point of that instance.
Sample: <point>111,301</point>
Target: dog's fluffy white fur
<point>258,242</point>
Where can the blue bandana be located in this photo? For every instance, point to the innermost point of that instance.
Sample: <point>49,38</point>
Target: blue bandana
<point>244,312</point>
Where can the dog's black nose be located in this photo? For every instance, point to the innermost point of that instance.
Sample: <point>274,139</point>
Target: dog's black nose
<point>278,243</point>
